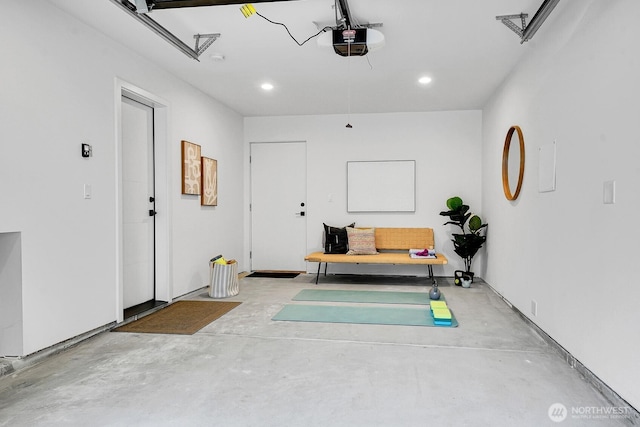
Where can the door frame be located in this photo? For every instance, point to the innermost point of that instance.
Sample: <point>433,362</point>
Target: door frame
<point>163,255</point>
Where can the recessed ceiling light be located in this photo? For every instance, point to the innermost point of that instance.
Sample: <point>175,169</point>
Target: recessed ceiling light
<point>424,80</point>
<point>267,86</point>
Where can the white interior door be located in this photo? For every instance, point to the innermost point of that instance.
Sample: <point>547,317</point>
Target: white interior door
<point>137,203</point>
<point>278,206</point>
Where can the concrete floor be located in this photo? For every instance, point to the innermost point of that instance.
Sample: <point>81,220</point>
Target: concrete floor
<point>246,370</point>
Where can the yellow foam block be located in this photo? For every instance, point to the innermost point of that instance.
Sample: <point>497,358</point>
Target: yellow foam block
<point>442,313</point>
<point>438,305</point>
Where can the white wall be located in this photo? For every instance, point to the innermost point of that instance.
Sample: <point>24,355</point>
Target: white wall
<point>567,250</point>
<point>57,84</point>
<point>445,145</point>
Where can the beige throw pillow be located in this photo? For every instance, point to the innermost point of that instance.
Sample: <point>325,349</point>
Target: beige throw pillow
<point>362,241</point>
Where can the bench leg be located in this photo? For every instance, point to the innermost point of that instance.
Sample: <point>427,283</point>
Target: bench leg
<point>318,275</point>
<point>430,268</point>
<point>326,264</point>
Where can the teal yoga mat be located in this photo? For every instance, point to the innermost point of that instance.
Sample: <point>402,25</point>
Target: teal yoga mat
<point>362,315</point>
<point>381,297</point>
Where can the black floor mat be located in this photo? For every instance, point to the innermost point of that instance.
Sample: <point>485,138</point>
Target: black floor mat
<point>275,275</point>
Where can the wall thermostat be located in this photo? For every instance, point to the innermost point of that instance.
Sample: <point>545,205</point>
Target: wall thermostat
<point>86,150</point>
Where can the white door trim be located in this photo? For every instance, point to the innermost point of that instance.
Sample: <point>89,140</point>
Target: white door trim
<point>163,219</point>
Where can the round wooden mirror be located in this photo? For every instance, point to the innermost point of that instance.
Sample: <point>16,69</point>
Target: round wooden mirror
<point>513,163</point>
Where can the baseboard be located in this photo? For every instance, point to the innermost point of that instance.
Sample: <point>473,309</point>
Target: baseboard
<point>9,365</point>
<point>607,392</point>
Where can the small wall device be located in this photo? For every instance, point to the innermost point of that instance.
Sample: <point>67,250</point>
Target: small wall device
<point>86,150</point>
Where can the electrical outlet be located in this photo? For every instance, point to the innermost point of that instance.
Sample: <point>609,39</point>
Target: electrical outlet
<point>534,307</point>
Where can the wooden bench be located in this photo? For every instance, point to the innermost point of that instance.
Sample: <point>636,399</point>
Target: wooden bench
<point>393,245</point>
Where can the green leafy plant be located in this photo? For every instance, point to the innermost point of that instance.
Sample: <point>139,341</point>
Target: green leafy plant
<point>467,243</point>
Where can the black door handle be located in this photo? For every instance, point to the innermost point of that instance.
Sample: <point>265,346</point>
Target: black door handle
<point>152,212</point>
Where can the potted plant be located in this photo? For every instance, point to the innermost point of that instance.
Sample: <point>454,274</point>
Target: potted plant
<point>467,243</point>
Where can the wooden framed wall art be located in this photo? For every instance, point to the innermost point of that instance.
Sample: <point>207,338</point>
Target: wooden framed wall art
<point>513,171</point>
<point>191,168</point>
<point>209,196</point>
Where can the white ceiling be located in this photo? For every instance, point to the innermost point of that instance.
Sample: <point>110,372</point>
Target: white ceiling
<point>458,43</point>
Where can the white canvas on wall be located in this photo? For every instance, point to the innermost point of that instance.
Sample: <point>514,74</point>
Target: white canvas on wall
<point>381,186</point>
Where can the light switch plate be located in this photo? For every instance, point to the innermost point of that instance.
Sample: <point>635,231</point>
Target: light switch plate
<point>609,192</point>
